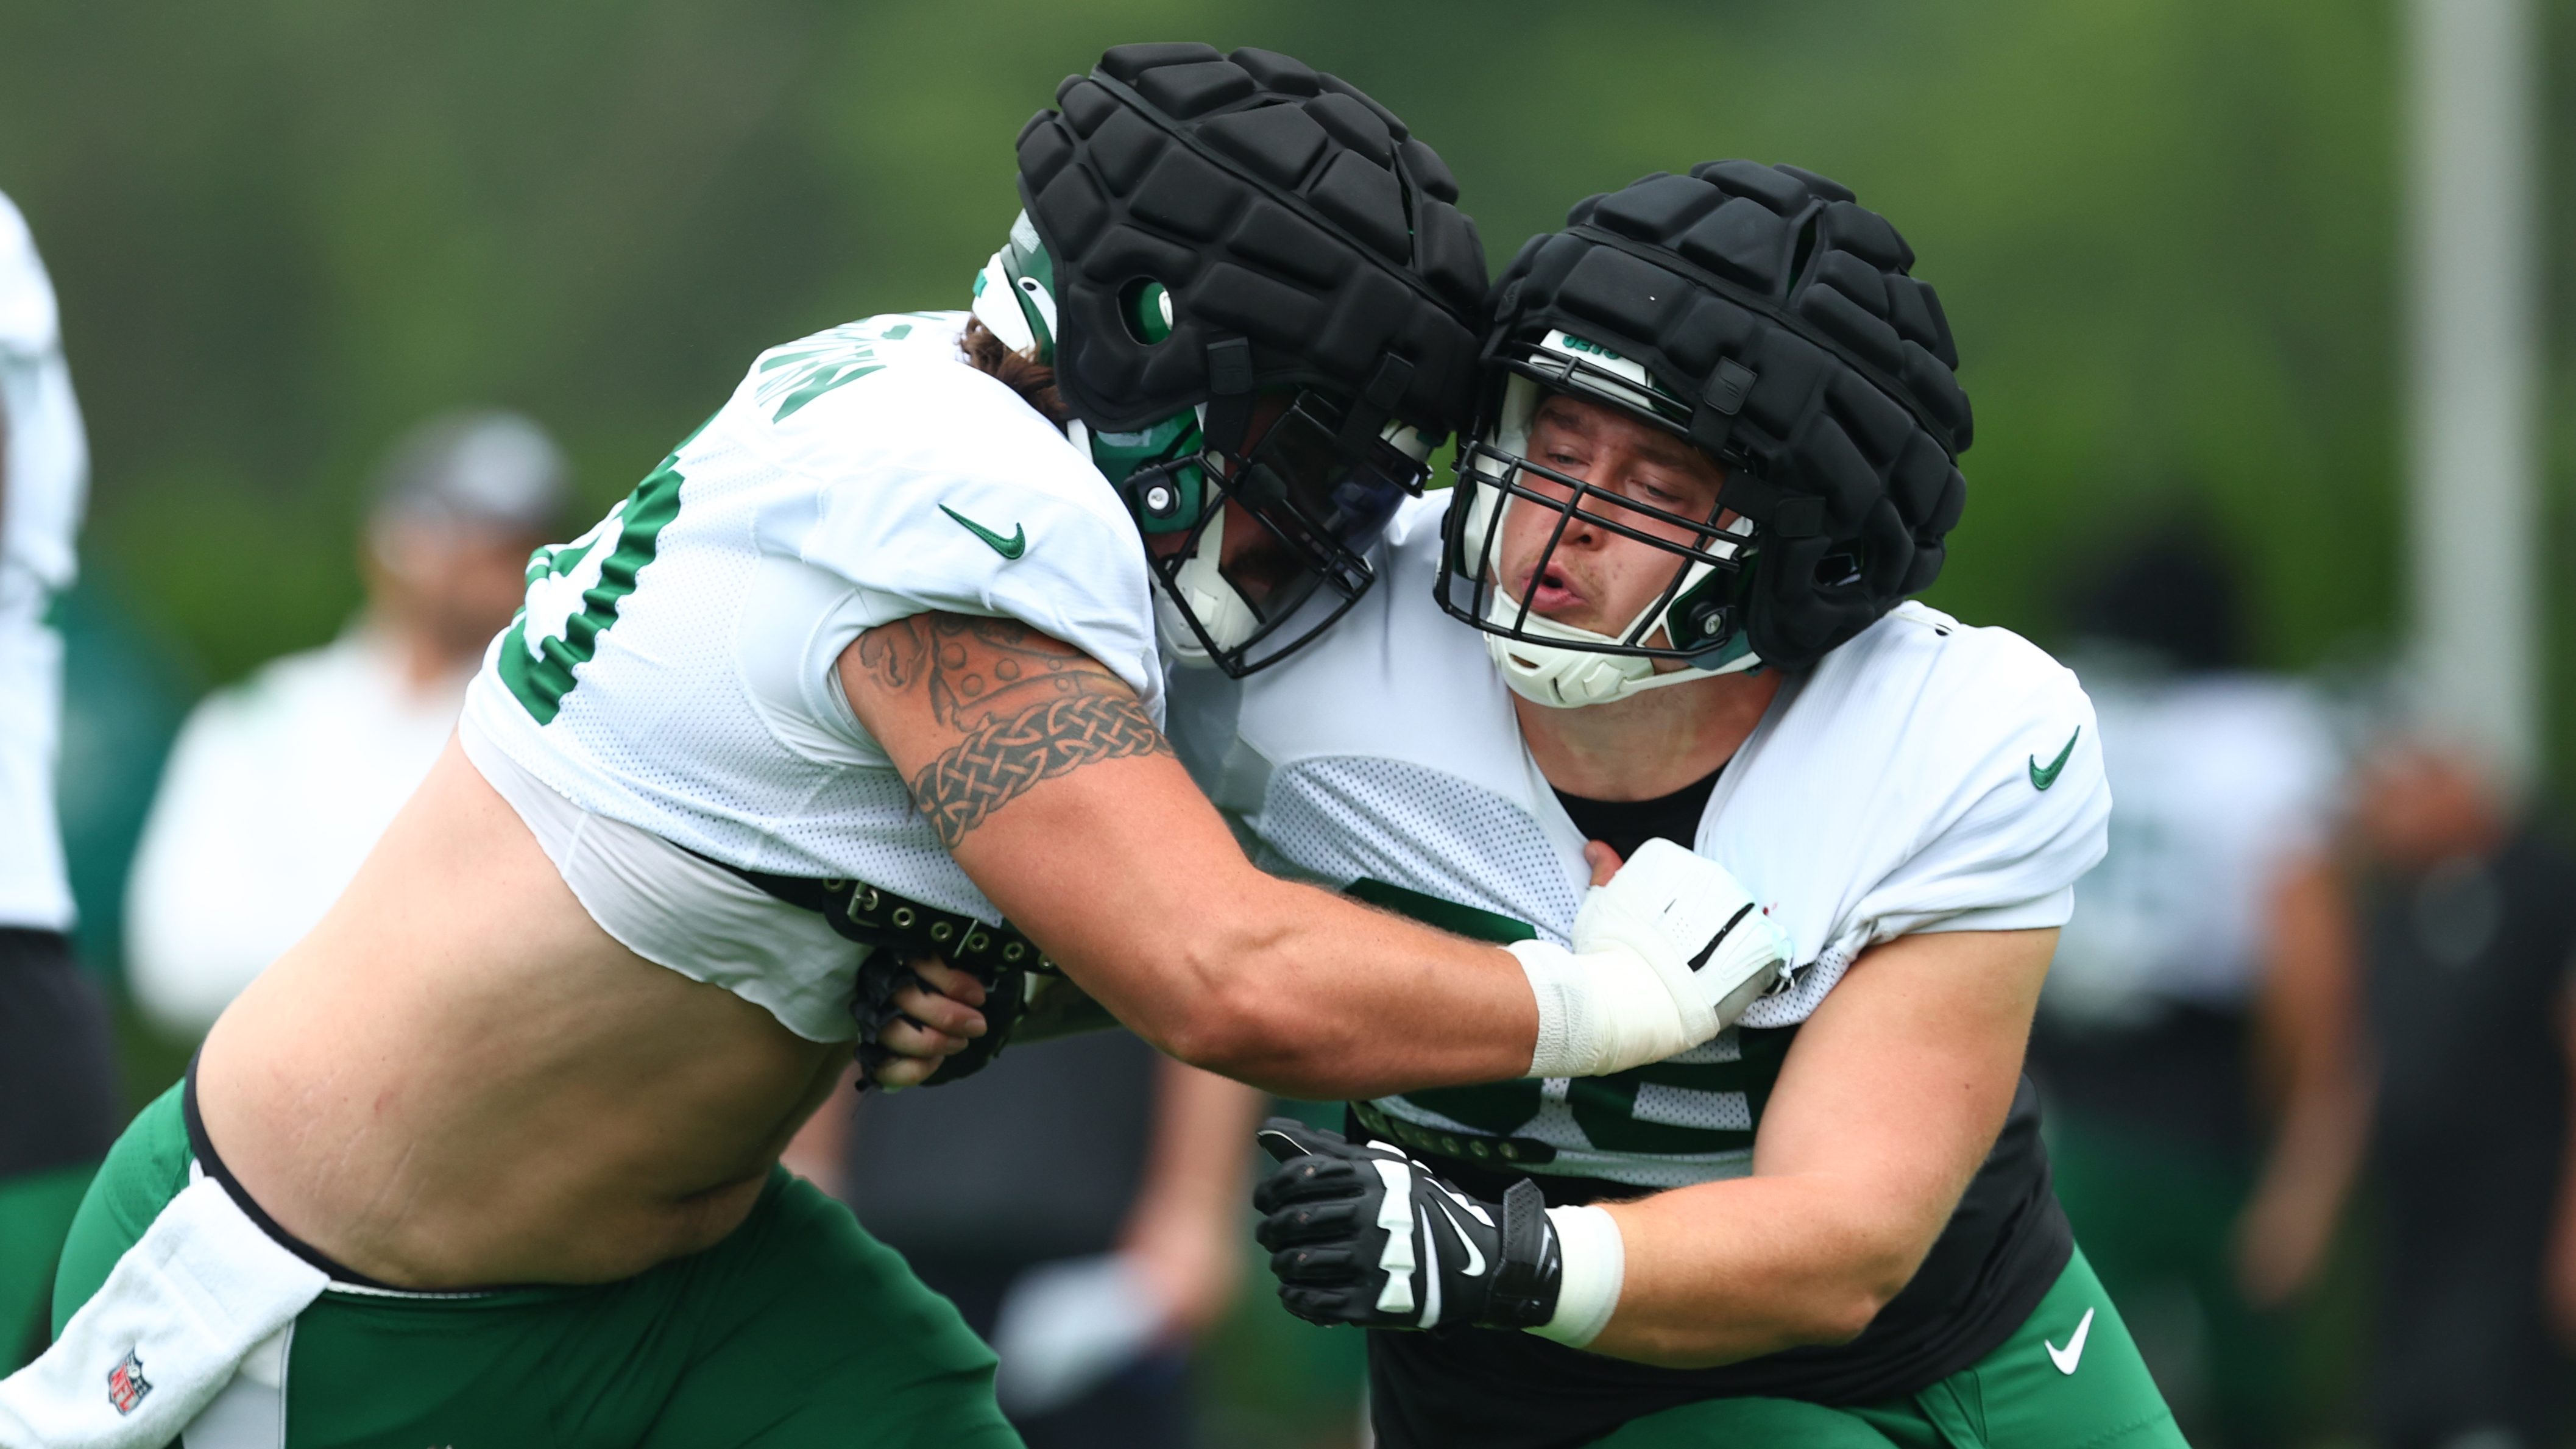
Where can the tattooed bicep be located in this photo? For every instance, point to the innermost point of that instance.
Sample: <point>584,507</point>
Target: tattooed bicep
<point>999,761</point>
<point>995,707</point>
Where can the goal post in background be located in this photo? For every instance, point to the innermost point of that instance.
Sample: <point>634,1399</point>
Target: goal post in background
<point>2471,371</point>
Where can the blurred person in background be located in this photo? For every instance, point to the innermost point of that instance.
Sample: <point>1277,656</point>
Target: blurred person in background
<point>2196,949</point>
<point>59,1097</point>
<point>2468,929</point>
<point>1092,1290</point>
<point>278,786</point>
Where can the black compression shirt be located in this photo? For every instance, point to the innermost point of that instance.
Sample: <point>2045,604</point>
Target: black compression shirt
<point>1623,825</point>
<point>1996,1258</point>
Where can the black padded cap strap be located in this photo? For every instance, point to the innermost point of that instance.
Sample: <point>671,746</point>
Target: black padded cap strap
<point>1230,387</point>
<point>1366,419</point>
<point>1714,420</point>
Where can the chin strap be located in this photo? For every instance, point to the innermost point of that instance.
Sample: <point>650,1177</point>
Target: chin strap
<point>1570,678</point>
<point>1219,607</point>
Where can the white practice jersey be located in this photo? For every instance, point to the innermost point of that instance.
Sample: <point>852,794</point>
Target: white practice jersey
<point>673,668</point>
<point>43,477</point>
<point>1927,776</point>
<point>2223,779</point>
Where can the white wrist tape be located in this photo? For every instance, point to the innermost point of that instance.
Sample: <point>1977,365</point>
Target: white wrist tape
<point>1596,1268</point>
<point>1666,956</point>
<point>1600,1012</point>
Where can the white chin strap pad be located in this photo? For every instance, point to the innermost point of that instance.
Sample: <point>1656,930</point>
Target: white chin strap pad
<point>1221,611</point>
<point>1563,678</point>
<point>1570,678</point>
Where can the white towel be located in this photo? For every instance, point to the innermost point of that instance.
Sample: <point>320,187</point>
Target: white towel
<point>164,1335</point>
<point>1065,1328</point>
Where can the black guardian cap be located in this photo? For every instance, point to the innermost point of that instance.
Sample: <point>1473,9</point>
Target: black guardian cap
<point>1762,314</point>
<point>1294,238</point>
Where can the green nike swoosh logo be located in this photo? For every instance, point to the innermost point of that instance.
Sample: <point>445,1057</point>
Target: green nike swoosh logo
<point>1011,547</point>
<point>2043,778</point>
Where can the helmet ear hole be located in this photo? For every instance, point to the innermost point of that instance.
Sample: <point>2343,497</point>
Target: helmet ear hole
<point>1145,310</point>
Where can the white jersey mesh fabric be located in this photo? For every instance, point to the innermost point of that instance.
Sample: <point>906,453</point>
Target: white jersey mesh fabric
<point>674,667</point>
<point>1346,818</point>
<point>1690,1107</point>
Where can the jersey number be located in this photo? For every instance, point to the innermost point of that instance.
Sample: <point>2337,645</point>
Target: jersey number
<point>1662,1107</point>
<point>574,590</point>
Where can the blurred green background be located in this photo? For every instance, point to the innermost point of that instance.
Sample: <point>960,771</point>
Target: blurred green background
<point>283,230</point>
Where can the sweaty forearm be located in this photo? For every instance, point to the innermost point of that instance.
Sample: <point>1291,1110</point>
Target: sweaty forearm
<point>1047,782</point>
<point>1045,777</point>
<point>1308,995</point>
<point>1156,915</point>
<point>1161,919</point>
<point>1733,1270</point>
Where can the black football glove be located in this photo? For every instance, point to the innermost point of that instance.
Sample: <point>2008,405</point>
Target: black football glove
<point>1361,1233</point>
<point>884,973</point>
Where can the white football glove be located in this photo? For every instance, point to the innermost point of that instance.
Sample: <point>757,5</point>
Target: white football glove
<point>1666,956</point>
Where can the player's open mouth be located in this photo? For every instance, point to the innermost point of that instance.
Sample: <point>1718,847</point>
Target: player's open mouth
<point>1554,592</point>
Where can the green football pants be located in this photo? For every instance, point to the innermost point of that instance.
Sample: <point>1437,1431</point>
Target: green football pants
<point>797,1330</point>
<point>2069,1378</point>
<point>2158,1218</point>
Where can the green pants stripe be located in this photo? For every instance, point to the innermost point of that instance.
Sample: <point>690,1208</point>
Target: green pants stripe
<point>797,1330</point>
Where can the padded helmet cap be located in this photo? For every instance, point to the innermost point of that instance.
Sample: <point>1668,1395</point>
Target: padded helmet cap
<point>1811,361</point>
<point>1305,237</point>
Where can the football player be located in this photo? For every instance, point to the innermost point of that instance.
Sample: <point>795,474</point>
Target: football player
<point>1715,450</point>
<point>868,664</point>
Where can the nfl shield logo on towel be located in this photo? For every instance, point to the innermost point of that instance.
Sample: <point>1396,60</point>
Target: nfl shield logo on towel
<point>126,1384</point>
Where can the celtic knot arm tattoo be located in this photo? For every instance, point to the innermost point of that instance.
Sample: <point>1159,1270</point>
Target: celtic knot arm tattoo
<point>1004,759</point>
<point>1026,708</point>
